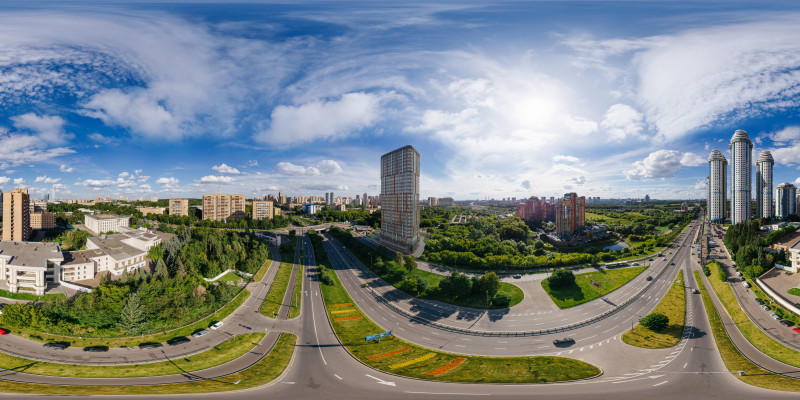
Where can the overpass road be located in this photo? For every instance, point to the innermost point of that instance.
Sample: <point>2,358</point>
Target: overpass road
<point>322,368</point>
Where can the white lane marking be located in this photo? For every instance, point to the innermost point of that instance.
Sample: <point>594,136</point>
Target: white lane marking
<point>451,394</point>
<point>658,384</point>
<point>340,378</point>
<point>381,381</point>
<point>288,383</point>
<point>313,319</point>
<point>684,365</point>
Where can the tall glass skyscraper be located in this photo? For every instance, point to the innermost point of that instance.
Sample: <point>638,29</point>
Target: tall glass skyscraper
<point>785,200</point>
<point>717,187</point>
<point>764,185</point>
<point>400,199</point>
<point>741,176</point>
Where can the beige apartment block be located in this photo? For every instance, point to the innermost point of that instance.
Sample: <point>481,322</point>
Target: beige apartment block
<point>179,207</point>
<point>151,210</point>
<point>43,220</point>
<point>262,210</point>
<point>222,207</point>
<point>16,215</point>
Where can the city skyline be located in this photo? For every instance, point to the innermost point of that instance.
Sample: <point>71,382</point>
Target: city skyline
<point>502,100</point>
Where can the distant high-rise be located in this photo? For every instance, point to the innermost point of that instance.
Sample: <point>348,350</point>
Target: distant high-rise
<point>570,213</point>
<point>221,207</point>
<point>400,199</point>
<point>785,200</point>
<point>717,186</point>
<point>262,210</point>
<point>16,215</point>
<point>741,176</point>
<point>764,185</point>
<point>179,207</point>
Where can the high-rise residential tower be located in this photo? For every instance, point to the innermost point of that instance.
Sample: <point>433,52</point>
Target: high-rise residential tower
<point>16,215</point>
<point>179,207</point>
<point>785,200</point>
<point>400,199</point>
<point>764,185</point>
<point>570,214</point>
<point>717,186</point>
<point>741,176</point>
<point>222,207</point>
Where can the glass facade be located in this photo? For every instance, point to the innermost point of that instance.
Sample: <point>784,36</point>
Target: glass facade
<point>400,199</point>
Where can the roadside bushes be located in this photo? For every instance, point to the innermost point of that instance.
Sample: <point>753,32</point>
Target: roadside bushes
<point>723,276</point>
<point>706,270</point>
<point>655,322</point>
<point>501,300</point>
<point>325,276</point>
<point>561,278</point>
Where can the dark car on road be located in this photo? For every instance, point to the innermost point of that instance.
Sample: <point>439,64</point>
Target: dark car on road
<point>96,349</point>
<point>785,323</point>
<point>56,345</point>
<point>565,340</point>
<point>150,345</point>
<point>649,278</point>
<point>178,340</point>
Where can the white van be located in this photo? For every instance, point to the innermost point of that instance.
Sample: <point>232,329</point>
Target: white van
<point>745,284</point>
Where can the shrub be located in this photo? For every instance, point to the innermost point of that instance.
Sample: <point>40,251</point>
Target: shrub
<point>655,322</point>
<point>561,278</point>
<point>706,270</point>
<point>501,300</point>
<point>723,276</point>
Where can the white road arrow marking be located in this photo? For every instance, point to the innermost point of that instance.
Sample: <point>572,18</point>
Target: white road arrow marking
<point>381,381</point>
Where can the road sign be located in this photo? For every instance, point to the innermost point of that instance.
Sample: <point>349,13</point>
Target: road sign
<point>377,336</point>
<point>595,283</point>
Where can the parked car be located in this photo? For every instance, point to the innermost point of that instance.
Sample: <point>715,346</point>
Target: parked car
<point>216,325</point>
<point>785,323</point>
<point>150,345</point>
<point>563,341</point>
<point>765,307</point>
<point>178,340</point>
<point>775,317</point>
<point>796,329</point>
<point>200,333</point>
<point>96,349</point>
<point>759,301</point>
<point>56,345</point>
<point>696,291</point>
<point>3,331</point>
<point>672,263</point>
<point>517,276</point>
<point>745,284</point>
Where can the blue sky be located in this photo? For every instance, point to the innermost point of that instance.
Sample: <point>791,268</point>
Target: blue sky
<point>609,99</point>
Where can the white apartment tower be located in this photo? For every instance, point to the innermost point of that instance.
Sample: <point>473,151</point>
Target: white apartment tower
<point>741,176</point>
<point>764,185</point>
<point>717,186</point>
<point>400,199</point>
<point>785,200</point>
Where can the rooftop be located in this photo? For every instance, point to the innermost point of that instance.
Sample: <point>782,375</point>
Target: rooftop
<point>81,257</point>
<point>114,246</point>
<point>30,254</point>
<point>106,216</point>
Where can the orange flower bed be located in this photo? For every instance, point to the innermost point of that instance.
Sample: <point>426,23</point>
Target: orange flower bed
<point>391,353</point>
<point>448,367</point>
<point>346,318</point>
<point>341,305</point>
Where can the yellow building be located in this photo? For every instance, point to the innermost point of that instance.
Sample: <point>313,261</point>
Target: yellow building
<point>221,207</point>
<point>43,220</point>
<point>179,207</point>
<point>151,210</point>
<point>262,210</point>
<point>16,215</point>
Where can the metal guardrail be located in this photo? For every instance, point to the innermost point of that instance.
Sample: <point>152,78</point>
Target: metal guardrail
<point>523,333</point>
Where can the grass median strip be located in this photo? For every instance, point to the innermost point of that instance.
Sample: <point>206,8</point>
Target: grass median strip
<point>347,318</point>
<point>272,303</point>
<point>733,359</point>
<point>753,333</point>
<point>221,354</point>
<point>584,291</point>
<point>473,369</point>
<point>297,297</point>
<point>673,305</point>
<point>448,367</point>
<point>262,372</point>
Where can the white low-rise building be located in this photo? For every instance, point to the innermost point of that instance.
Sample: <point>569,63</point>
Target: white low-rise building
<point>29,266</point>
<point>794,257</point>
<point>126,251</point>
<point>106,223</point>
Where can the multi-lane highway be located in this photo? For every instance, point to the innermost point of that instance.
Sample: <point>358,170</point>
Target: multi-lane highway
<point>321,368</point>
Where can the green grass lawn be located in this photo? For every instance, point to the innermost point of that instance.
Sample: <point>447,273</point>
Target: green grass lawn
<point>294,309</point>
<point>229,277</point>
<point>263,270</point>
<point>262,372</point>
<point>733,359</point>
<point>673,305</point>
<point>662,229</point>
<point>754,335</point>
<point>225,352</point>
<point>31,297</point>
<point>514,292</point>
<point>400,357</point>
<point>133,341</point>
<point>272,303</point>
<point>584,291</point>
<point>794,291</point>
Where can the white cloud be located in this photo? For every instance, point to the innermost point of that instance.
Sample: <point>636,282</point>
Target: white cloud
<point>145,187</point>
<point>167,181</point>
<point>216,179</point>
<point>19,181</point>
<point>47,128</point>
<point>321,120</point>
<point>567,159</point>
<point>785,135</point>
<point>287,168</point>
<point>46,179</point>
<point>329,167</point>
<point>65,169</point>
<point>252,163</point>
<point>225,169</point>
<point>124,175</point>
<point>577,180</point>
<point>622,122</point>
<point>96,137</point>
<point>662,164</point>
<point>4,180</point>
<point>97,183</point>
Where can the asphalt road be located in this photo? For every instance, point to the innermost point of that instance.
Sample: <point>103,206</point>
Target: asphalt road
<point>322,368</point>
